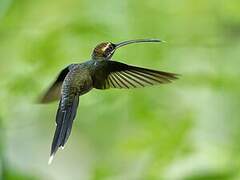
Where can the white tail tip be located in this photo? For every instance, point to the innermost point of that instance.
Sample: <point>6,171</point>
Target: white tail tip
<point>50,159</point>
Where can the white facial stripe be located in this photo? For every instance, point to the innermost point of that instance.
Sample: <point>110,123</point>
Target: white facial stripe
<point>104,48</point>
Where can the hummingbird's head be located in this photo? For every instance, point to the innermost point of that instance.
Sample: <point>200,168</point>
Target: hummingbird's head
<point>105,51</point>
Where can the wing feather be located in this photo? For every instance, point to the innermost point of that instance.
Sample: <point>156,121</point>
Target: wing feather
<point>54,91</point>
<point>112,74</point>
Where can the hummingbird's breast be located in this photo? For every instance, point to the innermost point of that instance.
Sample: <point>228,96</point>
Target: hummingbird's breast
<point>78,81</point>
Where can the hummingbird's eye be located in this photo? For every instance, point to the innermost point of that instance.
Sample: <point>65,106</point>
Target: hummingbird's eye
<point>110,48</point>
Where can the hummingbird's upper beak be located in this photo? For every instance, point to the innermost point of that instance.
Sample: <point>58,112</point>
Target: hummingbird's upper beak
<point>124,43</point>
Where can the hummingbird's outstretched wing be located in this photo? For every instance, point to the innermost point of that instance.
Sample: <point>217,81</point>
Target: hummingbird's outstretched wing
<point>112,74</point>
<point>54,91</point>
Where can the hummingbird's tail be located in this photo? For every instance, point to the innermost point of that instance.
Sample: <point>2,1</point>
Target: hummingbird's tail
<point>65,115</point>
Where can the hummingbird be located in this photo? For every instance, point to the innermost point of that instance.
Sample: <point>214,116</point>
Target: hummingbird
<point>101,72</point>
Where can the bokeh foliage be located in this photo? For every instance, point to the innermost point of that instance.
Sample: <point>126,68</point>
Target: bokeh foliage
<point>185,130</point>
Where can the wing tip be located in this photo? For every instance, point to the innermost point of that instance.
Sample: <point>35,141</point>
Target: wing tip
<point>41,100</point>
<point>175,76</point>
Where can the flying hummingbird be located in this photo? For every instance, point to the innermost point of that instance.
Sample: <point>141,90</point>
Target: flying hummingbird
<point>101,73</point>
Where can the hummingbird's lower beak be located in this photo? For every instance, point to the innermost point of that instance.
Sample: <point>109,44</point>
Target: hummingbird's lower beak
<point>124,43</point>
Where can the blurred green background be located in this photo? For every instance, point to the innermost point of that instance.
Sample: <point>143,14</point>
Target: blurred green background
<point>185,130</point>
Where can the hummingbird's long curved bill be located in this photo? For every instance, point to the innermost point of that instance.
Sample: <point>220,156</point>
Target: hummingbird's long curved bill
<point>124,43</point>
